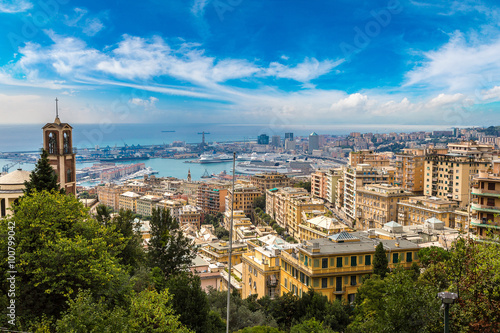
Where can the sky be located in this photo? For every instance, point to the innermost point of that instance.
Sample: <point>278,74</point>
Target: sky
<point>273,63</point>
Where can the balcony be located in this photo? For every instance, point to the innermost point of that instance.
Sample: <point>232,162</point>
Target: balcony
<point>483,224</point>
<point>485,208</point>
<point>485,192</point>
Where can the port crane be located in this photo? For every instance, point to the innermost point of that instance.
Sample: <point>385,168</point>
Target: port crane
<point>7,167</point>
<point>203,137</point>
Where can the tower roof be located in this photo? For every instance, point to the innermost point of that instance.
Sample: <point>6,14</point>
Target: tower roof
<point>313,134</point>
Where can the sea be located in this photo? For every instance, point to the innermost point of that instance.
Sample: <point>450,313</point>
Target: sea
<point>28,138</point>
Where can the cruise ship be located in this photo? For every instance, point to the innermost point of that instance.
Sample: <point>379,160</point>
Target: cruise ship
<point>255,167</point>
<point>213,158</point>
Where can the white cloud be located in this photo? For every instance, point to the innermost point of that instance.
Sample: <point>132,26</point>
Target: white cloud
<point>459,66</point>
<point>303,72</point>
<point>15,6</point>
<point>443,99</point>
<point>491,94</point>
<point>92,26</point>
<point>146,103</point>
<point>353,101</point>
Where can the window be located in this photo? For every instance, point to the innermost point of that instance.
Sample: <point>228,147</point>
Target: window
<point>324,263</point>
<point>339,262</point>
<point>338,284</point>
<point>286,283</point>
<point>346,261</point>
<point>368,260</point>
<point>408,257</point>
<point>324,283</point>
<point>353,280</point>
<point>353,261</point>
<point>360,260</point>
<point>395,258</point>
<point>315,283</point>
<point>491,186</point>
<point>316,262</point>
<point>306,260</point>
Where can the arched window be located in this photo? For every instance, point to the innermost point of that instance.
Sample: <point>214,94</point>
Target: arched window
<point>52,143</point>
<point>69,176</point>
<point>66,143</point>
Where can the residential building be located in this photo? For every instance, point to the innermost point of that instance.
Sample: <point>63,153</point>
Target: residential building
<point>211,198</point>
<point>368,157</point>
<point>410,170</point>
<point>357,178</point>
<point>11,188</point>
<point>485,207</point>
<point>243,198</point>
<point>316,224</point>
<point>145,204</point>
<point>319,184</point>
<point>219,252</point>
<point>335,266</point>
<point>416,210</point>
<point>377,204</point>
<point>191,215</point>
<point>109,195</point>
<point>128,201</point>
<point>449,176</point>
<point>175,206</point>
<point>471,149</point>
<point>333,181</point>
<point>266,181</point>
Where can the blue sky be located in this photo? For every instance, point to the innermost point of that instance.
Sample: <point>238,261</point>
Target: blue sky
<point>275,63</point>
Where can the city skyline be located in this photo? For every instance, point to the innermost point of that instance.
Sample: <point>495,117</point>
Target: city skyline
<point>275,64</point>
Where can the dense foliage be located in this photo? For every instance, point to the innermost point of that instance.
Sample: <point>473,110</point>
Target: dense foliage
<point>43,177</point>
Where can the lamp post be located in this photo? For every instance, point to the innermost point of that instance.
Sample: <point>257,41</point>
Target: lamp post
<point>447,298</point>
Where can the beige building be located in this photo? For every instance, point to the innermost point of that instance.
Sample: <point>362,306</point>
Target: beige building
<point>416,210</point>
<point>485,207</point>
<point>357,178</point>
<point>266,181</point>
<point>319,186</point>
<point>128,201</point>
<point>316,224</point>
<point>377,204</point>
<point>219,252</point>
<point>145,204</point>
<point>449,176</point>
<point>109,195</point>
<point>191,215</point>
<point>368,157</point>
<point>471,149</point>
<point>243,198</point>
<point>175,206</point>
<point>211,198</point>
<point>11,188</point>
<point>410,170</point>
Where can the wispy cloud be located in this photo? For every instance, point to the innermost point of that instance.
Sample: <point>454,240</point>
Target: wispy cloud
<point>146,103</point>
<point>90,26</point>
<point>15,6</point>
<point>198,8</point>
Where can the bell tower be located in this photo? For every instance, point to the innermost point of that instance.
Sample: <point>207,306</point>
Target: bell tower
<point>58,141</point>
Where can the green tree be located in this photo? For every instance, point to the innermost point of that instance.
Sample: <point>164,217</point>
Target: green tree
<point>260,329</point>
<point>310,326</point>
<point>380,262</point>
<point>103,214</point>
<point>43,177</point>
<point>189,301</point>
<point>431,255</point>
<point>169,249</point>
<point>60,250</point>
<point>260,202</point>
<point>132,253</point>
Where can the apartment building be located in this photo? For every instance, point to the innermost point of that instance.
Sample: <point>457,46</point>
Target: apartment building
<point>244,196</point>
<point>211,198</point>
<point>146,203</point>
<point>219,252</point>
<point>472,149</point>
<point>416,210</point>
<point>286,205</point>
<point>357,178</point>
<point>316,224</point>
<point>449,176</point>
<point>377,205</point>
<point>333,177</point>
<point>175,206</point>
<point>109,195</point>
<point>191,215</point>
<point>410,170</point>
<point>266,181</point>
<point>378,160</point>
<point>128,201</point>
<point>319,184</point>
<point>335,266</point>
<point>485,207</point>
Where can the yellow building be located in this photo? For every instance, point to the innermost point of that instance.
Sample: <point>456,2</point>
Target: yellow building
<point>416,210</point>
<point>11,188</point>
<point>315,224</point>
<point>485,206</point>
<point>243,198</point>
<point>219,252</point>
<point>368,157</point>
<point>266,181</point>
<point>128,201</point>
<point>261,271</point>
<point>211,198</point>
<point>449,176</point>
<point>335,266</point>
<point>109,195</point>
<point>377,205</point>
<point>175,206</point>
<point>410,170</point>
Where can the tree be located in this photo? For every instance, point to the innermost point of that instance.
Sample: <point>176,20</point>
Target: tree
<point>380,262</point>
<point>189,301</point>
<point>43,177</point>
<point>260,202</point>
<point>305,185</point>
<point>169,249</point>
<point>310,326</point>
<point>132,255</point>
<point>431,255</point>
<point>103,214</point>
<point>60,250</point>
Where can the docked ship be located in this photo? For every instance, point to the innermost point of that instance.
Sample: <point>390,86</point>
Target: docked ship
<point>213,158</point>
<point>255,167</point>
<point>123,158</point>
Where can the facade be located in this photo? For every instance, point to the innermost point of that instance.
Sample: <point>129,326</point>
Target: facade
<point>316,224</point>
<point>57,141</point>
<point>410,170</point>
<point>333,177</point>
<point>485,207</point>
<point>319,184</point>
<point>243,198</point>
<point>11,188</point>
<point>357,178</point>
<point>377,205</point>
<point>191,215</point>
<point>128,201</point>
<point>175,206</point>
<point>416,210</point>
<point>211,198</point>
<point>263,139</point>
<point>449,176</point>
<point>266,181</point>
<point>109,195</point>
<point>276,141</point>
<point>368,157</point>
<point>313,142</point>
<point>145,204</point>
<point>219,252</point>
<point>334,266</point>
